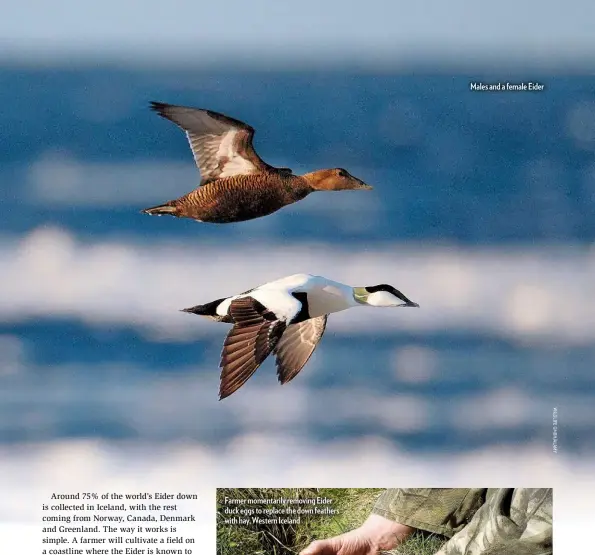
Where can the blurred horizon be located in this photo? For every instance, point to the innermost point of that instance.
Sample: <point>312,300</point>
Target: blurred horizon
<point>484,69</point>
<point>378,33</point>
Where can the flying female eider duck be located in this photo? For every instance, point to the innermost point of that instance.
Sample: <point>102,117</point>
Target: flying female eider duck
<point>236,184</point>
<point>288,317</point>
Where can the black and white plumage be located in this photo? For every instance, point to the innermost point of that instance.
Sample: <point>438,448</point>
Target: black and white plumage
<point>286,317</point>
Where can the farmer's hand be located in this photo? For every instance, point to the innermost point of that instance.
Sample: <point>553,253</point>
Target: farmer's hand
<point>376,534</point>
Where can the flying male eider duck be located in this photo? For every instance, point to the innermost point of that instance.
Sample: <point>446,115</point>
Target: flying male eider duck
<point>236,184</point>
<point>288,317</point>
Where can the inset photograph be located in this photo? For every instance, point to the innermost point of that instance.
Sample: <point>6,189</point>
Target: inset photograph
<point>367,521</point>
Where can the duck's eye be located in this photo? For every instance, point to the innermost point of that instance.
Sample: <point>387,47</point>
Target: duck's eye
<point>342,173</point>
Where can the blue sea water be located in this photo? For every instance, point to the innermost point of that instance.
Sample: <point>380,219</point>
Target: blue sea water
<point>457,172</point>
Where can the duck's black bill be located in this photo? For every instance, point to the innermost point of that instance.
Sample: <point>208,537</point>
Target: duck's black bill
<point>406,300</point>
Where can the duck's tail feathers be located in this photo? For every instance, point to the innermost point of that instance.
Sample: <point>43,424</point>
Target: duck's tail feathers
<point>209,310</point>
<point>201,309</point>
<point>163,209</point>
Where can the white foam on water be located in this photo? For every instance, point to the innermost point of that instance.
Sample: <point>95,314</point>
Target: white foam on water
<point>533,295</point>
<point>30,473</point>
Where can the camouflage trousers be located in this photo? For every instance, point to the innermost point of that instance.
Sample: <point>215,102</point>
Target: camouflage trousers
<point>498,521</point>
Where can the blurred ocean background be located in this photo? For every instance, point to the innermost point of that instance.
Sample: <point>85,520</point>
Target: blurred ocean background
<point>482,211</point>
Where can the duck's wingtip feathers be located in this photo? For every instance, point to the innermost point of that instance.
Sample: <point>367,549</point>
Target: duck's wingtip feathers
<point>282,379</point>
<point>159,107</point>
<point>223,394</point>
<point>154,105</point>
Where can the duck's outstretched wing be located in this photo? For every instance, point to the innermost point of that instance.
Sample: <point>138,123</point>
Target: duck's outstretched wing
<point>222,146</point>
<point>296,346</point>
<point>254,335</point>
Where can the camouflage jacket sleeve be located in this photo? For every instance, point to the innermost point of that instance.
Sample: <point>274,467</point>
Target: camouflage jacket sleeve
<point>442,511</point>
<point>511,521</point>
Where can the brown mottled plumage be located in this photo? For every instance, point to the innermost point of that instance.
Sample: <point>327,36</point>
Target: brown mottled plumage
<point>236,183</point>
